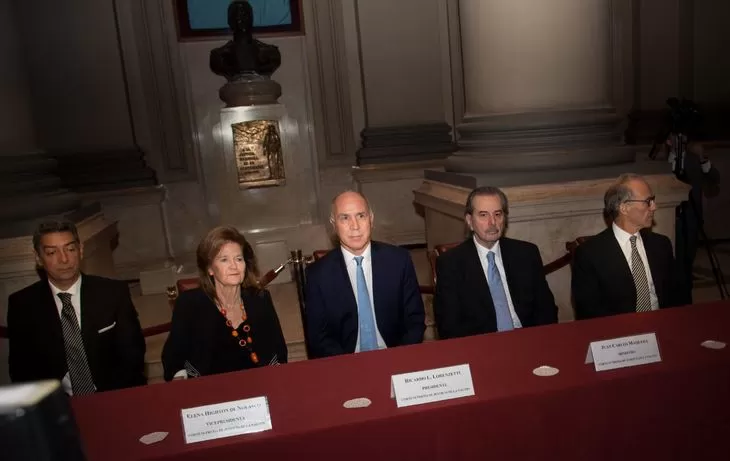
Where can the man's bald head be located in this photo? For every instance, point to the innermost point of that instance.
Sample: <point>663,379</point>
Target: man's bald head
<point>352,219</point>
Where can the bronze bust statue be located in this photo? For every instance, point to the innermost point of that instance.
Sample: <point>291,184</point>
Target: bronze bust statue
<point>244,58</point>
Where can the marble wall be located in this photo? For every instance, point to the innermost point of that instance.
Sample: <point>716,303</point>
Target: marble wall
<point>17,134</point>
<point>75,74</point>
<point>279,210</point>
<point>361,63</point>
<point>569,42</point>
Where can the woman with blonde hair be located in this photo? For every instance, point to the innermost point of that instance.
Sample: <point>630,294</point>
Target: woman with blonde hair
<point>229,323</point>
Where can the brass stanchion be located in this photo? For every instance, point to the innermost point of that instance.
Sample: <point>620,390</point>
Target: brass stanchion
<point>299,264</point>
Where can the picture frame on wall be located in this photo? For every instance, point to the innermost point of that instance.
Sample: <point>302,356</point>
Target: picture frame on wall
<point>201,19</point>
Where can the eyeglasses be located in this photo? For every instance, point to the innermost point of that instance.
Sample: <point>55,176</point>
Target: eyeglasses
<point>648,200</point>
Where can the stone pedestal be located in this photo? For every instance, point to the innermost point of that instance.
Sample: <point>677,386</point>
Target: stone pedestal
<point>548,215</point>
<point>250,92</point>
<point>143,232</point>
<point>18,266</point>
<point>388,188</point>
<point>30,188</point>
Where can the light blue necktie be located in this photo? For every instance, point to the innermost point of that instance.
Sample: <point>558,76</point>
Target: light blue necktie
<point>499,297</point>
<point>368,339</point>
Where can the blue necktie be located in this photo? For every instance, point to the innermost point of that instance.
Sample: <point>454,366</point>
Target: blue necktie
<point>368,339</point>
<point>499,297</point>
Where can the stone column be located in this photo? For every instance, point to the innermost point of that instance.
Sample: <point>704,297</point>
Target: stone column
<point>541,90</point>
<point>527,55</point>
<point>544,88</point>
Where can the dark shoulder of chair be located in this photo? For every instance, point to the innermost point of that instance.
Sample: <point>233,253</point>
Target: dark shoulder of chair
<point>547,268</point>
<point>444,247</point>
<point>571,246</point>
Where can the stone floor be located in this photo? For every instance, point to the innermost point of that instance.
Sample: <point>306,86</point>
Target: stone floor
<point>154,309</point>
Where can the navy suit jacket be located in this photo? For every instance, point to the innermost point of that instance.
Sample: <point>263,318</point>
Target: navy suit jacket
<point>331,309</point>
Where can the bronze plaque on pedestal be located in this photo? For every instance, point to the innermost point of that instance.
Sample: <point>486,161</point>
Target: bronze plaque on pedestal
<point>257,147</point>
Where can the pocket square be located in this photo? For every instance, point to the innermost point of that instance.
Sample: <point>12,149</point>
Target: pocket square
<point>108,328</point>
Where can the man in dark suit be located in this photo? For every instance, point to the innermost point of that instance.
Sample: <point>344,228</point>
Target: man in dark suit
<point>80,329</point>
<point>490,282</point>
<point>363,295</point>
<point>625,268</point>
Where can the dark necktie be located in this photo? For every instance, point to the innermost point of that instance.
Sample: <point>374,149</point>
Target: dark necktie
<point>82,382</point>
<point>638,271</point>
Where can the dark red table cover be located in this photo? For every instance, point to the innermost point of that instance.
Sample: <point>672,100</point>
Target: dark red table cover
<point>678,409</point>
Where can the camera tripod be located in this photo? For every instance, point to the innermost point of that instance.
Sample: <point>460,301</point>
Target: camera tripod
<point>679,143</point>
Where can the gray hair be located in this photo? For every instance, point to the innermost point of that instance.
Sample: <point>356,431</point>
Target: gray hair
<point>52,227</point>
<point>618,193</point>
<point>486,191</point>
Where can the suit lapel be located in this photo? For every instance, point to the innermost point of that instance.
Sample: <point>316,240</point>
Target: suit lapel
<point>510,271</point>
<point>478,279</point>
<point>89,298</point>
<point>344,281</point>
<point>379,268</point>
<point>616,263</point>
<point>50,318</point>
<point>651,251</point>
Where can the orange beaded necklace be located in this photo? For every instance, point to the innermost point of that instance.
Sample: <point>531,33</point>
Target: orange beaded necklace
<point>246,341</point>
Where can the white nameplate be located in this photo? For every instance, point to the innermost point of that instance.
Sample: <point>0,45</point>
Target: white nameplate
<point>628,351</point>
<point>431,385</point>
<point>226,419</point>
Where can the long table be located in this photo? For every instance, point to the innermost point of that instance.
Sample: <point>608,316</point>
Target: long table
<point>676,409</point>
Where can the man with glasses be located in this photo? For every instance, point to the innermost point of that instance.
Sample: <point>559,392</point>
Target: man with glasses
<point>627,267</point>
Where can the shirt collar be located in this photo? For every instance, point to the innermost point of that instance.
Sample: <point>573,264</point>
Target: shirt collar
<point>350,257</point>
<point>482,251</point>
<point>73,289</point>
<point>622,236</point>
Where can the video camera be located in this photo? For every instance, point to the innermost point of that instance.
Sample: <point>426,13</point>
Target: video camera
<point>685,116</point>
<point>682,121</point>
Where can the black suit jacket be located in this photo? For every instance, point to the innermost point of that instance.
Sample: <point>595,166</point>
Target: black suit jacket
<point>200,336</point>
<point>35,338</point>
<point>602,283</point>
<point>463,304</point>
<point>331,309</point>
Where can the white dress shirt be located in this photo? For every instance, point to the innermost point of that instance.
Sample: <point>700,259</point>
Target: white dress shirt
<point>367,267</point>
<point>624,241</point>
<point>482,251</point>
<point>75,291</point>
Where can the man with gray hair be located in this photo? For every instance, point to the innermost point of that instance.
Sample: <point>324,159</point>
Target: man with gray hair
<point>490,282</point>
<point>627,267</point>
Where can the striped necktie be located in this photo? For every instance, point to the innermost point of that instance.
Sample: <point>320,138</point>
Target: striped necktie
<point>82,382</point>
<point>638,271</point>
